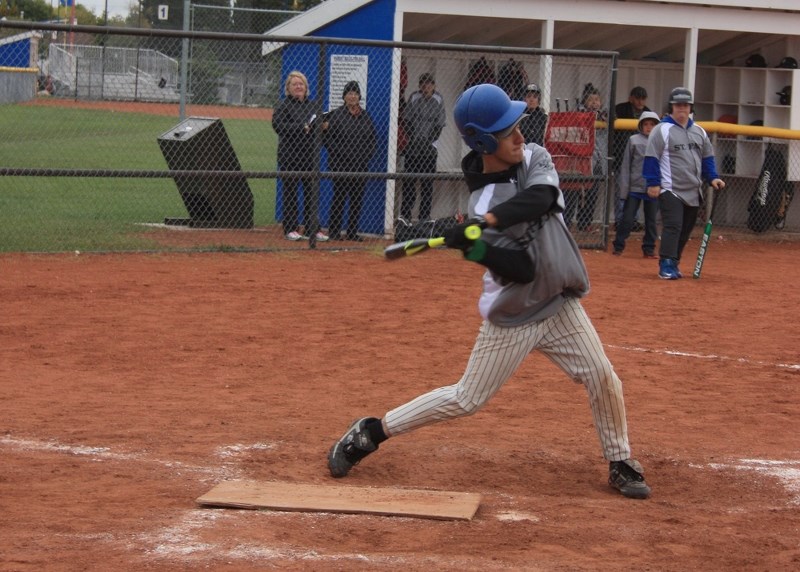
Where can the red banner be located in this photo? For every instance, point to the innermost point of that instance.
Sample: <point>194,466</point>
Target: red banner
<point>570,140</point>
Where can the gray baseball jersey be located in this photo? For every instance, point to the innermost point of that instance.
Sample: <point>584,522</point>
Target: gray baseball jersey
<point>559,268</point>
<point>680,153</point>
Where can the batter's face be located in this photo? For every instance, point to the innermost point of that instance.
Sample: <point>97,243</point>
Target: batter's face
<point>510,152</point>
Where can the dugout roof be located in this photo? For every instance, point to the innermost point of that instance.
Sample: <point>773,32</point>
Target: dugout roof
<point>702,32</point>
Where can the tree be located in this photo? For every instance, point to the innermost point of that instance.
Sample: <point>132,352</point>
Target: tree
<point>34,10</point>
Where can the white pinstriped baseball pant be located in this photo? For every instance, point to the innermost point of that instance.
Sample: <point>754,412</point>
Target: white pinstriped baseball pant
<point>568,339</point>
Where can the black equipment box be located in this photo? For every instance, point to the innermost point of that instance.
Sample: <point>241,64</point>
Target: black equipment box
<point>213,201</point>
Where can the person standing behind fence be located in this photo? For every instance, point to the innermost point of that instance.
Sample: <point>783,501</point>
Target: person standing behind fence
<point>349,137</point>
<point>296,121</point>
<point>535,121</point>
<point>631,109</point>
<point>584,202</point>
<point>424,120</point>
<point>632,190</point>
<point>678,161</point>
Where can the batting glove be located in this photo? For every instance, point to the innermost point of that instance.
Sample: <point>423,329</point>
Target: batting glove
<point>456,237</point>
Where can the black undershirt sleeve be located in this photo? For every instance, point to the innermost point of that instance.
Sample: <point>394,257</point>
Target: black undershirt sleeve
<point>528,205</point>
<point>512,265</point>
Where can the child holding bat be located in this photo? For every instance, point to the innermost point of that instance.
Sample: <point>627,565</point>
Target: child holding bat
<point>531,295</point>
<point>678,159</point>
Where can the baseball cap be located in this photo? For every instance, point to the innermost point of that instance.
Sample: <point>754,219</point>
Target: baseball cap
<point>351,86</point>
<point>639,92</point>
<point>532,87</point>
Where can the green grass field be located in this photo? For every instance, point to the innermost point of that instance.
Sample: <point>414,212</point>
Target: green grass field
<point>51,214</point>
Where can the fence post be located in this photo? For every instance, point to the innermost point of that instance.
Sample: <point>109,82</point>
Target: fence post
<point>184,60</point>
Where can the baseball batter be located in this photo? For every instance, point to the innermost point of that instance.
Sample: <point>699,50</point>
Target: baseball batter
<point>531,293</point>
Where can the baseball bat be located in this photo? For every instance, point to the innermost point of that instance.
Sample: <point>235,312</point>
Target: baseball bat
<point>416,245</point>
<point>704,242</point>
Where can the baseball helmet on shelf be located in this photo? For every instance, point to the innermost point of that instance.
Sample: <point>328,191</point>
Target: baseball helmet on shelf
<point>788,62</point>
<point>785,95</point>
<point>483,114</point>
<point>755,61</point>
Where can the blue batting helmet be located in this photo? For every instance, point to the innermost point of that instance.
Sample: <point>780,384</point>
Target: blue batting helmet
<point>482,113</point>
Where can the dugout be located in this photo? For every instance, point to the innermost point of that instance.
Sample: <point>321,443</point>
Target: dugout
<point>18,72</point>
<point>660,45</point>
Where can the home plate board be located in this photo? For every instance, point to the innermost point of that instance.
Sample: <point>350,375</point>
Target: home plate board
<point>443,505</point>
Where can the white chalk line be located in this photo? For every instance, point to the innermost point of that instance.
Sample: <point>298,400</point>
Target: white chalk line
<point>705,356</point>
<point>181,541</point>
<point>786,472</point>
<point>226,471</point>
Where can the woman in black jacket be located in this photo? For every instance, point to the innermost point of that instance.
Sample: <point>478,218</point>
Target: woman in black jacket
<point>296,120</point>
<point>349,136</point>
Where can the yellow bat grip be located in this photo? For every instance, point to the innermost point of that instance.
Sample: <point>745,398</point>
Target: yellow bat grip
<point>473,232</point>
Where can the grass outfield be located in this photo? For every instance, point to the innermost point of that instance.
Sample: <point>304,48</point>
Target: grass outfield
<point>50,214</point>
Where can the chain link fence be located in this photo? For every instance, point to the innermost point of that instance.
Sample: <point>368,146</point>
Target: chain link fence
<point>159,140</point>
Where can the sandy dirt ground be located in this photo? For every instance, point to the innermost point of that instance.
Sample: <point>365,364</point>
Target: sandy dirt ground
<point>131,384</point>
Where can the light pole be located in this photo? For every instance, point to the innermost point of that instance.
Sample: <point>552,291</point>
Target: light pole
<point>103,55</point>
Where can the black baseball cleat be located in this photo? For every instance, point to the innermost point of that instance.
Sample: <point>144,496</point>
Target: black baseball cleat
<point>628,478</point>
<point>353,446</point>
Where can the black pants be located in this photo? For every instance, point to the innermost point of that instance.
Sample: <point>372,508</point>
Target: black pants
<point>352,189</point>
<point>291,204</point>
<point>677,221</point>
<point>418,164</point>
<point>625,225</point>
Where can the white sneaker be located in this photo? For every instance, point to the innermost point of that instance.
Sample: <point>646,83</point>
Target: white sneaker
<point>322,237</point>
<point>294,236</point>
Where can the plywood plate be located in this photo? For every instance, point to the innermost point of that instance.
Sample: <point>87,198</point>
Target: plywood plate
<point>330,498</point>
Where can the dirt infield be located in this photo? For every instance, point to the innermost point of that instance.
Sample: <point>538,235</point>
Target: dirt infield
<point>132,384</point>
<point>168,109</point>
